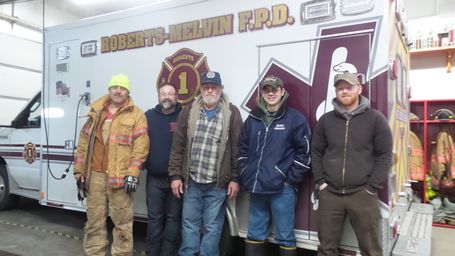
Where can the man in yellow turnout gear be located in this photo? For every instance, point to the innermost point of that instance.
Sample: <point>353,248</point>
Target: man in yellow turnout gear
<point>112,146</point>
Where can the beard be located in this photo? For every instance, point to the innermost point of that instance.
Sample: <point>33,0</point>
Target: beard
<point>348,101</point>
<point>167,104</point>
<point>211,99</point>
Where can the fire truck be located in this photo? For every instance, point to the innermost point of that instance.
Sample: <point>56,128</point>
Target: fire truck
<point>306,43</point>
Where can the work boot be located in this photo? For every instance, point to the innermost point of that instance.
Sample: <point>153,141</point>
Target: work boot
<point>254,248</point>
<point>288,251</point>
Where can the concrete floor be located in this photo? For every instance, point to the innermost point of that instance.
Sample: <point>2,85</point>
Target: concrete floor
<point>31,229</point>
<point>442,241</point>
<point>34,230</point>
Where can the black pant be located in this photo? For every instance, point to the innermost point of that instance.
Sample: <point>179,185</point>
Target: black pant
<point>164,218</point>
<point>363,211</point>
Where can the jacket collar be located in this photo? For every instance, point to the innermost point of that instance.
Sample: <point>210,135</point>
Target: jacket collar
<point>224,101</point>
<point>364,104</point>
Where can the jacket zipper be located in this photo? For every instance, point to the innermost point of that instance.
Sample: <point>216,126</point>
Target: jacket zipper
<point>260,158</point>
<point>344,155</point>
<point>259,137</point>
<point>263,145</point>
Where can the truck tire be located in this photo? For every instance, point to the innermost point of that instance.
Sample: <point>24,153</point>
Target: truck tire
<point>6,199</point>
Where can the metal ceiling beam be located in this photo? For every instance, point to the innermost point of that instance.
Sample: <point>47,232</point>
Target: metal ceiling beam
<point>13,1</point>
<point>20,22</point>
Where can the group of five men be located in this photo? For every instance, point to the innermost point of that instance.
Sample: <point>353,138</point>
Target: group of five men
<point>197,157</point>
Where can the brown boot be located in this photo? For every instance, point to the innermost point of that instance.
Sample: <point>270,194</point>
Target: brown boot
<point>254,248</point>
<point>288,251</point>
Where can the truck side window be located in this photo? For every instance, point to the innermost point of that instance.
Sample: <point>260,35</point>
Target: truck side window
<point>30,116</point>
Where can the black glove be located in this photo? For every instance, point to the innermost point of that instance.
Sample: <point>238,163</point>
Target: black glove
<point>81,190</point>
<point>130,184</point>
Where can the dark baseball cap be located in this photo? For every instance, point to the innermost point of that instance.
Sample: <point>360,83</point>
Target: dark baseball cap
<point>211,77</point>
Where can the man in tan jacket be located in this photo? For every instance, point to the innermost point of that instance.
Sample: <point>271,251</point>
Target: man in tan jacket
<point>113,144</point>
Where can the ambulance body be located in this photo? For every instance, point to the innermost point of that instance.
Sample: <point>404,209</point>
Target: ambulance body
<point>306,43</point>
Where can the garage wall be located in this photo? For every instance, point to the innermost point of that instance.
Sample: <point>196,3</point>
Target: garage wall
<point>424,8</point>
<point>429,76</point>
<point>20,70</point>
<point>21,54</point>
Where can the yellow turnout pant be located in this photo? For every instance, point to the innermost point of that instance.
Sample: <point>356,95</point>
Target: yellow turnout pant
<point>102,200</point>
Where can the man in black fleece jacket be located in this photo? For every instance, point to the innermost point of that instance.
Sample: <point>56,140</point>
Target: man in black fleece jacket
<point>164,209</point>
<point>351,153</point>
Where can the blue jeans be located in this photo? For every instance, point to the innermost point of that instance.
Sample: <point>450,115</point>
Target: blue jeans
<point>203,204</point>
<point>278,207</point>
<point>164,218</point>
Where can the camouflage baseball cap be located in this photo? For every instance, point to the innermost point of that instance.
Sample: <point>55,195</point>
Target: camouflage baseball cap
<point>350,78</point>
<point>273,81</point>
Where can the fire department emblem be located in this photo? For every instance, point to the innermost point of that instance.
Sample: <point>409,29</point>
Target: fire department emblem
<point>184,69</point>
<point>29,153</point>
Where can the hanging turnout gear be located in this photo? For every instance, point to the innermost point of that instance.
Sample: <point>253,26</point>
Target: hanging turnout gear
<point>430,194</point>
<point>443,158</point>
<point>417,171</point>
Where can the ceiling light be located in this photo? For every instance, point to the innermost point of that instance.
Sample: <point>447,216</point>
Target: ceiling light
<point>87,2</point>
<point>83,2</point>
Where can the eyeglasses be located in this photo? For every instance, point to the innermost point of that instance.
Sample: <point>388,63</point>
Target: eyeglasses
<point>170,94</point>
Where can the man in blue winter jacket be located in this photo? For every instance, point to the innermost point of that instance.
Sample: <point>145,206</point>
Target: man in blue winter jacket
<point>164,209</point>
<point>273,159</point>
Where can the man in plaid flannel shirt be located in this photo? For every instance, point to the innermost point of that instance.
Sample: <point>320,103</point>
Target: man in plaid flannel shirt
<point>203,165</point>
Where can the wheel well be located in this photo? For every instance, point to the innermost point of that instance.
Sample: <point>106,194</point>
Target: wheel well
<point>2,161</point>
<point>4,167</point>
<point>7,200</point>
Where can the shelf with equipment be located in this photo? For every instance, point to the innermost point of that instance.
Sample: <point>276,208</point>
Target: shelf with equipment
<point>432,121</point>
<point>434,117</point>
<point>432,50</point>
<point>435,51</point>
